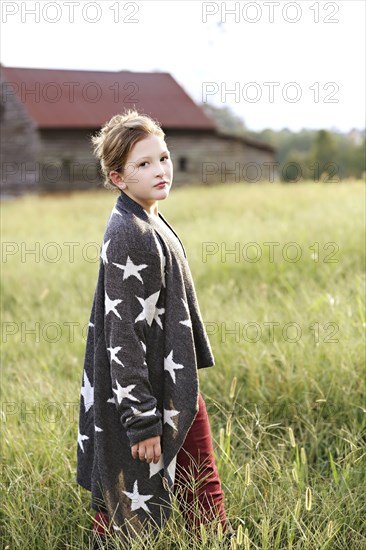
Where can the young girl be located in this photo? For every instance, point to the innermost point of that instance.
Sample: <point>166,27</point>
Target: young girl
<point>144,433</point>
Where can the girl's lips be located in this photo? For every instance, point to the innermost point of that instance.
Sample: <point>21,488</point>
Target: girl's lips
<point>161,184</point>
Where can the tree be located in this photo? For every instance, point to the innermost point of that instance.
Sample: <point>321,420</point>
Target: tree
<point>226,121</point>
<point>324,153</point>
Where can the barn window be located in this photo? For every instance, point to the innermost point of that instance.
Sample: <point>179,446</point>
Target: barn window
<point>182,164</point>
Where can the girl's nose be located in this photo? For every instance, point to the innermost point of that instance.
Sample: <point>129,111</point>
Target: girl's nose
<point>161,170</point>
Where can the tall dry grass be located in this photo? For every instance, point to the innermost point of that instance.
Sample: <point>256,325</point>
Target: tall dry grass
<point>286,397</point>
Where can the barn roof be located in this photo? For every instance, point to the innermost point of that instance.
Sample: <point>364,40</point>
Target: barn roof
<point>60,98</point>
<point>66,98</point>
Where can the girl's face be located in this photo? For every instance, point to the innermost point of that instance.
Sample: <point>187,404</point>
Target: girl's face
<point>147,165</point>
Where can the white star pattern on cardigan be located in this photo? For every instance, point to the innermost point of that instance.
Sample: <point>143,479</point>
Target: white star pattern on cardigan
<point>82,438</point>
<point>168,417</point>
<point>170,366</point>
<point>138,501</point>
<point>110,305</point>
<point>186,322</point>
<point>87,391</point>
<point>103,254</point>
<point>136,412</point>
<point>114,357</point>
<point>172,466</point>
<point>130,269</point>
<point>155,468</point>
<point>124,392</point>
<point>150,311</point>
<point>159,311</point>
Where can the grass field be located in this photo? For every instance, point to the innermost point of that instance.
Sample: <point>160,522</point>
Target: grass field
<point>286,397</point>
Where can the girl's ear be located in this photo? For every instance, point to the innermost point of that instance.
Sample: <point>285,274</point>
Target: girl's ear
<point>117,179</point>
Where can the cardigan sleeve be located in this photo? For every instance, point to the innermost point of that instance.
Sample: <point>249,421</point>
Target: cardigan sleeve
<point>132,284</point>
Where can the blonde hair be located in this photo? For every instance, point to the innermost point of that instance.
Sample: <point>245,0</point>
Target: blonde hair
<point>113,143</point>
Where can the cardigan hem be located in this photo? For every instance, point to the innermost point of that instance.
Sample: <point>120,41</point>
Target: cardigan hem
<point>205,366</point>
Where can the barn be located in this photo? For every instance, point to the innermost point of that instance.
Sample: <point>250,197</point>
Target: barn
<point>48,115</point>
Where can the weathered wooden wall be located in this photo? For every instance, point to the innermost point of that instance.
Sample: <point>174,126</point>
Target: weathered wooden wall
<point>217,159</point>
<point>19,146</point>
<point>67,162</point>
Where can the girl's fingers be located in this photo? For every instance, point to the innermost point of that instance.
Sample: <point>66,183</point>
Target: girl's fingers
<point>157,453</point>
<point>141,452</point>
<point>134,451</point>
<point>149,454</point>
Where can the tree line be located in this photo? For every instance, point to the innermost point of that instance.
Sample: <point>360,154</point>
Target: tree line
<point>318,155</point>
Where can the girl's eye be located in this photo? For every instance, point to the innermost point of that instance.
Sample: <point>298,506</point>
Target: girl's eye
<point>166,157</point>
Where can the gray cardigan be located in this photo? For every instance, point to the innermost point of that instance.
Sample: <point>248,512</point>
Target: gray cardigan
<point>145,342</point>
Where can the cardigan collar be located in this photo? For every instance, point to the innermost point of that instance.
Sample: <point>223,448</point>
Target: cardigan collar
<point>125,202</point>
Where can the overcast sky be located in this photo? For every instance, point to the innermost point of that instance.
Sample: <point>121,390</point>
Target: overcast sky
<point>292,64</point>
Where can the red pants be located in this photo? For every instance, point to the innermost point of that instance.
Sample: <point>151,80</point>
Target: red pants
<point>197,483</point>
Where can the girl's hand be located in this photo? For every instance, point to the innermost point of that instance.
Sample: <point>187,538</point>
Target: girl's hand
<point>148,449</point>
